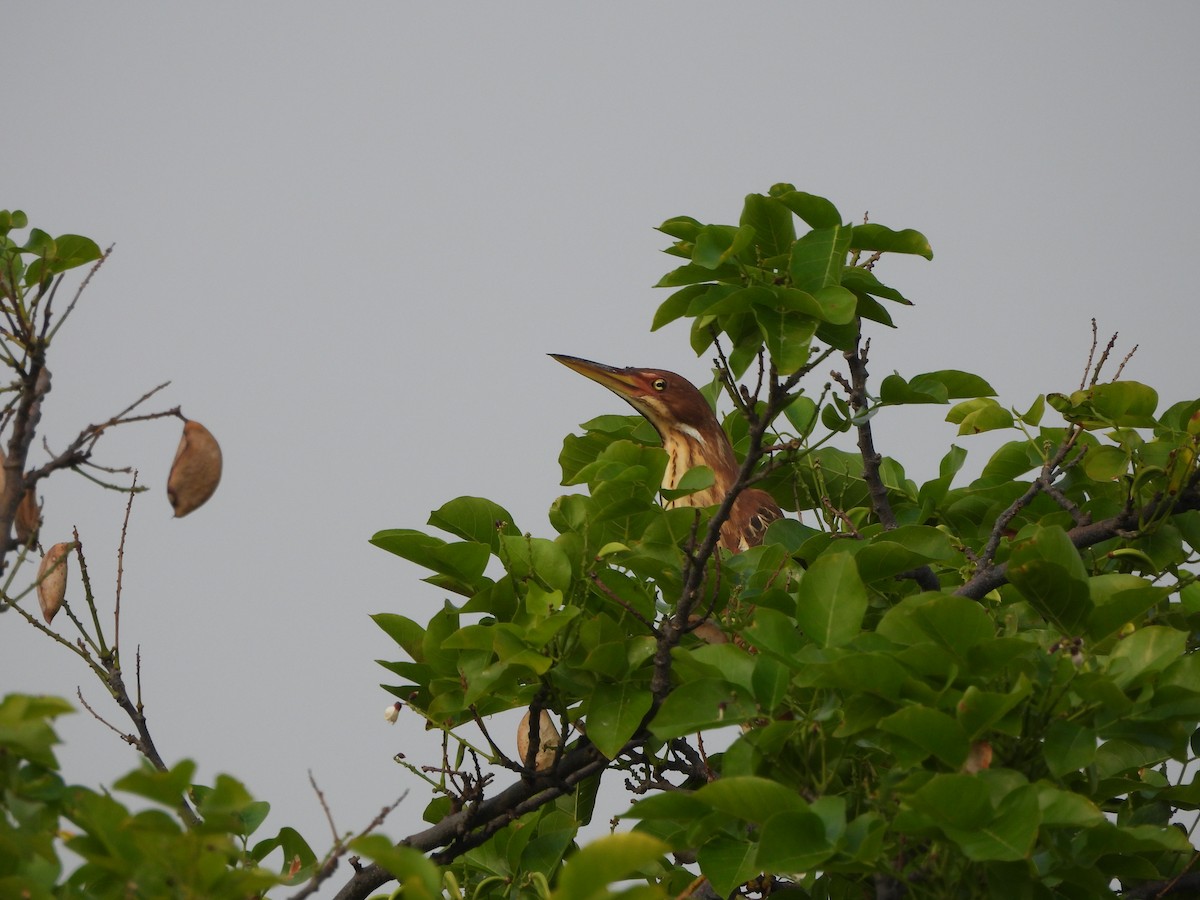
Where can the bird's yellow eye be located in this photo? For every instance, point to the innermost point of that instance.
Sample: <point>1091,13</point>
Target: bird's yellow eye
<point>660,384</point>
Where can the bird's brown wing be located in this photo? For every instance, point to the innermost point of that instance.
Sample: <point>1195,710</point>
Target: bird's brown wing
<point>752,513</point>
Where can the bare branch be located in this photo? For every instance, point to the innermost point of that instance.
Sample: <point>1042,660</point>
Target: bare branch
<point>121,567</point>
<point>1127,523</point>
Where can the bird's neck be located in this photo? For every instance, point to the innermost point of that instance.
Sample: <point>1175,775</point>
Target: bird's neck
<point>687,448</point>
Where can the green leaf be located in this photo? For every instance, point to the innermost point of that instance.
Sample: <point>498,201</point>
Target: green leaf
<point>728,862</point>
<point>831,600</point>
<point>1067,809</point>
<point>700,705</point>
<point>879,237</point>
<point>683,227</point>
<point>1147,651</point>
<point>716,244</point>
<point>167,788</point>
<point>957,384</point>
<point>934,732</point>
<point>774,228</point>
<point>614,857</point>
<point>817,212</point>
<point>692,274</point>
<point>863,280</point>
<point>1033,416</point>
<point>1012,460</point>
<point>817,258</point>
<point>1010,835</point>
<point>750,798</point>
<point>1105,463</point>
<point>959,801</point>
<point>73,250</point>
<point>527,557</point>
<point>793,841</point>
<point>979,415</point>
<point>418,876</point>
<point>1068,747</point>
<point>40,243</point>
<point>838,305</point>
<point>788,337</point>
<point>981,711</point>
<point>461,563</point>
<point>614,713</point>
<point>677,304</point>
<point>1047,570</point>
<point>697,478</point>
<point>24,727</point>
<point>1120,598</point>
<point>404,631</point>
<point>894,391</point>
<point>474,519</point>
<point>295,850</point>
<point>802,414</point>
<point>1122,404</point>
<point>14,219</point>
<point>673,805</point>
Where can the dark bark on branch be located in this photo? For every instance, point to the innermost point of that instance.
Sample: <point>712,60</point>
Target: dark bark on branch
<point>856,359</point>
<point>1082,536</point>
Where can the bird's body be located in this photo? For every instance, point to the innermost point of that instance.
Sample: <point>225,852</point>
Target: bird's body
<point>692,437</point>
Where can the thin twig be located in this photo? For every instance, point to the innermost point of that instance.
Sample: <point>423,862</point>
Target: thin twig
<point>1112,342</point>
<point>123,735</point>
<point>724,374</point>
<point>1121,367</point>
<point>79,292</point>
<point>1087,369</point>
<point>324,806</point>
<point>611,595</point>
<point>121,567</point>
<point>341,847</point>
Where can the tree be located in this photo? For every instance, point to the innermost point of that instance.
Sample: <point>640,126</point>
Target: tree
<point>960,688</point>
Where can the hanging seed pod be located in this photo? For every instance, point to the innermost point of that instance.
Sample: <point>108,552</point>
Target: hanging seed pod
<point>52,579</point>
<point>548,737</point>
<point>196,470</point>
<point>28,519</point>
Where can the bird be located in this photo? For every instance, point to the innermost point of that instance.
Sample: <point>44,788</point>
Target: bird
<point>692,436</point>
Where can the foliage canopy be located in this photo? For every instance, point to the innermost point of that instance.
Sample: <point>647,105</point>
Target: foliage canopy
<point>967,688</point>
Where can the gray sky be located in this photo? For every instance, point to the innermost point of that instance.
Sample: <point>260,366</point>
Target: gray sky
<point>349,236</point>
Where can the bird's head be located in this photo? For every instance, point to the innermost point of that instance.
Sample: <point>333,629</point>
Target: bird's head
<point>670,402</point>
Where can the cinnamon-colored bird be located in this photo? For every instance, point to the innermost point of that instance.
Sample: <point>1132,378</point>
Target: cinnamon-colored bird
<point>692,436</point>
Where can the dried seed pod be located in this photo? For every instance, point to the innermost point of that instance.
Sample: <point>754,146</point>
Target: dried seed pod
<point>548,737</point>
<point>707,630</point>
<point>28,519</point>
<point>52,579</point>
<point>196,470</point>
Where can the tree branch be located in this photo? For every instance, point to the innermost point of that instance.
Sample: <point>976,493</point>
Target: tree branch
<point>1082,536</point>
<point>856,359</point>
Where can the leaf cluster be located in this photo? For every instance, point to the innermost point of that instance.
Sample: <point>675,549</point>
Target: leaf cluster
<point>956,688</point>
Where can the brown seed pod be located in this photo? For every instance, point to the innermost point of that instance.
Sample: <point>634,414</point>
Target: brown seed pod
<point>28,519</point>
<point>548,737</point>
<point>52,579</point>
<point>196,470</point>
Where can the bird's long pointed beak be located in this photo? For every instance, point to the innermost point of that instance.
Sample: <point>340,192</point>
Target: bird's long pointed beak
<point>619,381</point>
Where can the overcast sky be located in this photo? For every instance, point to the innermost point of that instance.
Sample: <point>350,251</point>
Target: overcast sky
<point>349,235</point>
